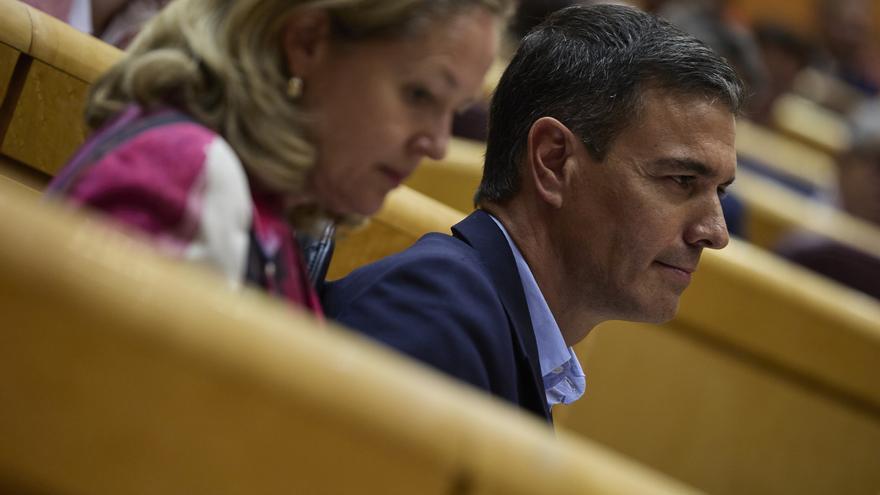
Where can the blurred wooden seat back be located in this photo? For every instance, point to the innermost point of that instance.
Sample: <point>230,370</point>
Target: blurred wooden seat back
<point>46,67</point>
<point>765,383</point>
<point>792,162</point>
<point>148,376</point>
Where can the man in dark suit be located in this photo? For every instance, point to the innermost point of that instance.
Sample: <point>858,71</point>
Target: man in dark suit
<point>611,142</point>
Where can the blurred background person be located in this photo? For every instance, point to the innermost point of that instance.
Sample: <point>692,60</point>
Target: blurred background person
<point>847,48</point>
<point>784,54</point>
<point>115,21</point>
<point>859,186</point>
<point>473,122</point>
<point>230,125</point>
<point>715,23</point>
<point>118,21</point>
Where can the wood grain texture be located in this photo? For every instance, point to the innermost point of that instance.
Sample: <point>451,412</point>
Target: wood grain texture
<point>8,59</point>
<point>16,27</point>
<point>47,124</point>
<point>61,46</point>
<point>751,300</point>
<point>719,420</point>
<point>22,175</point>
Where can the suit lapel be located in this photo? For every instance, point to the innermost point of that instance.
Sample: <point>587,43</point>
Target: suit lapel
<point>480,231</point>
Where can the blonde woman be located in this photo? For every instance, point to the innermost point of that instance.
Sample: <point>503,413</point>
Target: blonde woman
<point>231,124</point>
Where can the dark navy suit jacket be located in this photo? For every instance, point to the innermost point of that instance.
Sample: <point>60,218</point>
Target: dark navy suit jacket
<point>455,303</point>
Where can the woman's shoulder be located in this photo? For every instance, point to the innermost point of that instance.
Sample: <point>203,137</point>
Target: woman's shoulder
<point>158,171</point>
<point>164,148</point>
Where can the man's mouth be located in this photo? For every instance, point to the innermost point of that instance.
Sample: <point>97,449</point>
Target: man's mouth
<point>680,272</point>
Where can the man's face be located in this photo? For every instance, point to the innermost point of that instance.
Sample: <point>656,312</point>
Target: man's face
<point>634,225</point>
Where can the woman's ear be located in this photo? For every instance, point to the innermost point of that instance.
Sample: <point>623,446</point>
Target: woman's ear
<point>552,148</point>
<point>305,37</point>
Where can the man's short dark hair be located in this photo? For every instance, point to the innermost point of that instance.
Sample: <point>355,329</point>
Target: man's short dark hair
<point>587,66</point>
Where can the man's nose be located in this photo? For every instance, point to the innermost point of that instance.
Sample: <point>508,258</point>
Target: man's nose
<point>709,230</point>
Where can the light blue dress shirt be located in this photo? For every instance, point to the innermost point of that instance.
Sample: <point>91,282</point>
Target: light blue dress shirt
<point>564,380</point>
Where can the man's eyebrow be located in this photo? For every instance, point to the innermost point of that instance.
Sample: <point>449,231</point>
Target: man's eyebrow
<point>687,165</point>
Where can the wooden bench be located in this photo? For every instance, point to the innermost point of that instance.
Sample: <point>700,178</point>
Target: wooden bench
<point>46,67</point>
<point>145,376</point>
<point>124,372</point>
<point>766,382</point>
<point>743,365</point>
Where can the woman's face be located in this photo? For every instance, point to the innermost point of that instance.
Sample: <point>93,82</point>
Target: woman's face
<point>381,106</point>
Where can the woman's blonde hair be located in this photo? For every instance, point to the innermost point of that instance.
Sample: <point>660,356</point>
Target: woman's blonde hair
<point>222,62</point>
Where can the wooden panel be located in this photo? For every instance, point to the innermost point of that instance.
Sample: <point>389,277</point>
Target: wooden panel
<point>68,50</point>
<point>15,25</point>
<point>153,377</point>
<point>755,302</point>
<point>47,125</point>
<point>21,175</point>
<point>723,422</point>
<point>8,58</point>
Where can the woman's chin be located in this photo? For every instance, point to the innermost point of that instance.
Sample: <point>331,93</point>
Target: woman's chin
<point>358,207</point>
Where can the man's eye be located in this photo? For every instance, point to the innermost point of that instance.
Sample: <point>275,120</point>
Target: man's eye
<point>683,180</point>
<point>722,192</point>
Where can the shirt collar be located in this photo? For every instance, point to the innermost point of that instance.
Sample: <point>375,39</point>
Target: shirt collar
<point>557,360</point>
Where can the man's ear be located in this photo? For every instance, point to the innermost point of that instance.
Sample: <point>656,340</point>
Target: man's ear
<point>304,38</point>
<point>552,147</point>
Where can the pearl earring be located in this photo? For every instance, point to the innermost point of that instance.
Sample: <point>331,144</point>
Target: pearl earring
<point>294,87</point>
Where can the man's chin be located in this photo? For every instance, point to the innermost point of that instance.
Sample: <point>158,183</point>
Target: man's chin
<point>659,313</point>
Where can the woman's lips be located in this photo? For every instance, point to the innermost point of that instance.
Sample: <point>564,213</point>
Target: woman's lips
<point>394,176</point>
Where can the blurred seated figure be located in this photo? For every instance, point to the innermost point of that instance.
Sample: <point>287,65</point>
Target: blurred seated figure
<point>113,21</point>
<point>859,181</point>
<point>783,54</point>
<point>473,122</point>
<point>611,144</point>
<point>118,21</point>
<point>77,13</point>
<point>713,23</point>
<point>232,125</point>
<point>848,50</point>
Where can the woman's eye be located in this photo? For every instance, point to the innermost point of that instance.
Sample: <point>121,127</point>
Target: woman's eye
<point>418,94</point>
